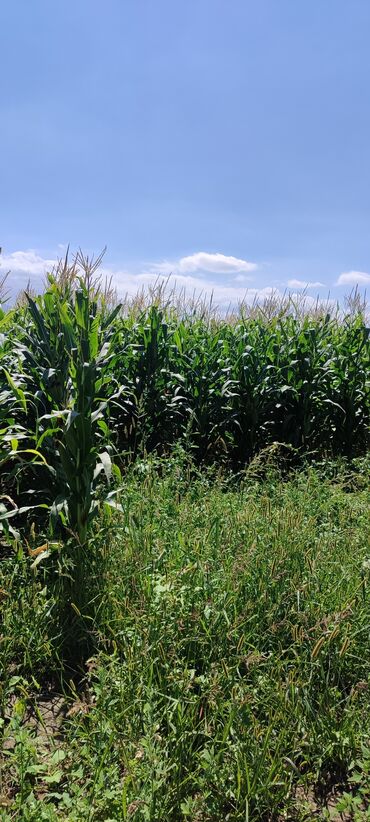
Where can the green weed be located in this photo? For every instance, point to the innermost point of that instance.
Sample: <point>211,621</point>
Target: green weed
<point>232,672</point>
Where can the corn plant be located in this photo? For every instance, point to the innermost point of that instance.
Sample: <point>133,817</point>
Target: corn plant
<point>62,386</point>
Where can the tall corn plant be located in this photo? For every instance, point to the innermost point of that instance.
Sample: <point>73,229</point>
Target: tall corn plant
<point>200,351</point>
<point>249,387</point>
<point>68,355</point>
<point>149,361</point>
<point>66,358</point>
<point>349,388</point>
<point>17,453</point>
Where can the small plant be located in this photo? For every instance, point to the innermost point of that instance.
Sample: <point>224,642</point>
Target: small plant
<point>356,800</point>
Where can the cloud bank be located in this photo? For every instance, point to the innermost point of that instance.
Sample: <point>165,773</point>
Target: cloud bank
<point>202,262</point>
<point>304,284</point>
<point>227,279</point>
<point>27,262</point>
<point>353,278</point>
<point>200,274</point>
<point>24,267</point>
<point>213,263</point>
<point>223,294</point>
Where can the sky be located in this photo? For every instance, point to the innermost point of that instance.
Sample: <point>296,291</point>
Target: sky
<point>223,143</point>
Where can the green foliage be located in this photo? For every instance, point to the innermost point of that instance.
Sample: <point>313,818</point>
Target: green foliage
<point>57,401</point>
<point>356,801</point>
<point>228,614</point>
<point>228,390</point>
<point>232,676</point>
<point>78,382</point>
<point>55,434</point>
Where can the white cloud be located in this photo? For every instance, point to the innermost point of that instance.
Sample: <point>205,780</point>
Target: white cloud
<point>353,278</point>
<point>193,274</point>
<point>216,263</point>
<point>222,295</point>
<point>304,284</point>
<point>205,262</point>
<point>198,275</point>
<point>26,262</point>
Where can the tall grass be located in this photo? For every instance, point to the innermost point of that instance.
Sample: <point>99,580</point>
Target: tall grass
<point>231,676</point>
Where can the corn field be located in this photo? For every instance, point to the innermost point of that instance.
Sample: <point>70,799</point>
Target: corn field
<point>86,385</point>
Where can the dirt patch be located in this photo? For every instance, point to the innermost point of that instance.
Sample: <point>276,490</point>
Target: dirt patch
<point>306,799</point>
<point>43,717</point>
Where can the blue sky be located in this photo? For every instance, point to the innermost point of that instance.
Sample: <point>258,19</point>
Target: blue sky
<point>225,141</point>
